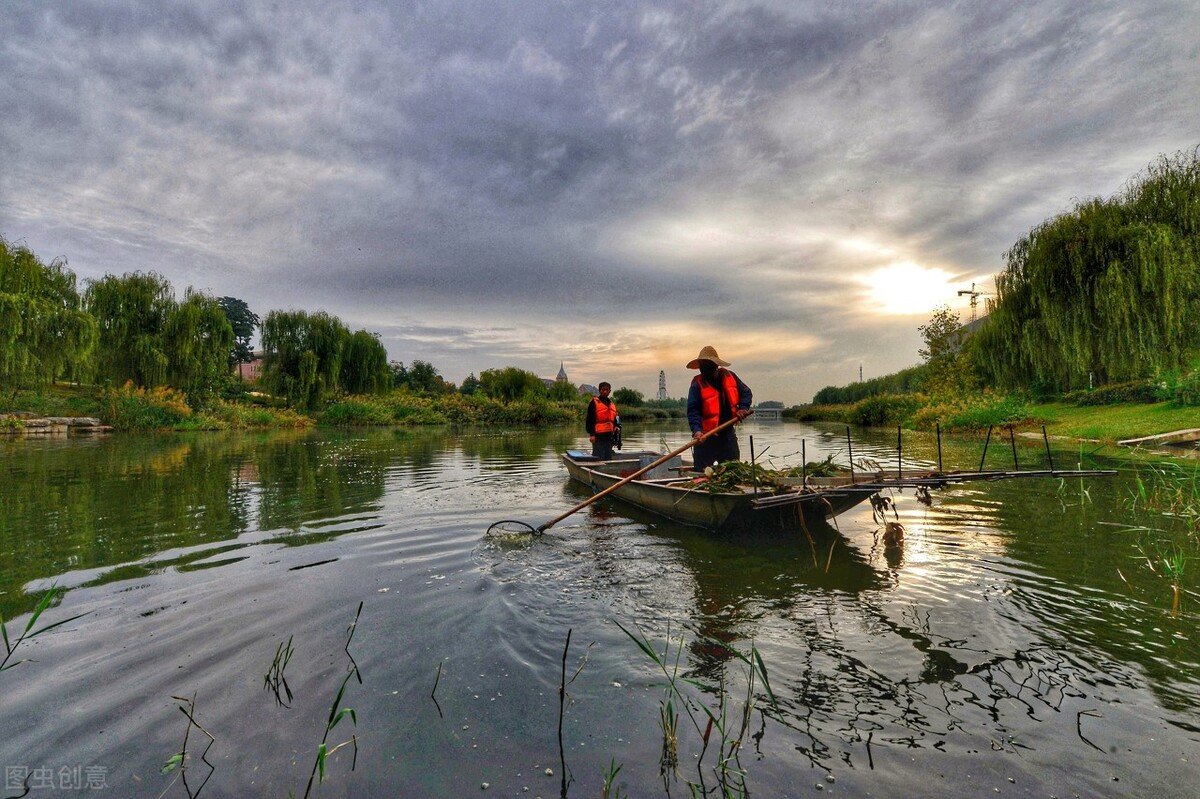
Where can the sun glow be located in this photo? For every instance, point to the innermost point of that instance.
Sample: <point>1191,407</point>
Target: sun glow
<point>907,288</point>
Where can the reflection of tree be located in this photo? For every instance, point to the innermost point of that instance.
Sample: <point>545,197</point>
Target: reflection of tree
<point>80,505</point>
<point>853,677</point>
<point>845,709</point>
<point>527,446</point>
<point>83,505</point>
<point>1075,537</point>
<point>314,477</point>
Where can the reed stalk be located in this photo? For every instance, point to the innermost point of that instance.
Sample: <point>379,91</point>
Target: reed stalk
<point>705,720</point>
<point>180,759</point>
<point>336,714</point>
<point>10,645</point>
<point>274,679</point>
<point>608,790</point>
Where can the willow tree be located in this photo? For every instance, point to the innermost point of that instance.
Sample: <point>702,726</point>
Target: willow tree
<point>131,312</point>
<point>197,340</point>
<point>365,365</point>
<point>44,330</point>
<point>302,355</point>
<point>1105,293</point>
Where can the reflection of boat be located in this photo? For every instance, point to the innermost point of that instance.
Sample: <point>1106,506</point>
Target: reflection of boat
<point>667,491</point>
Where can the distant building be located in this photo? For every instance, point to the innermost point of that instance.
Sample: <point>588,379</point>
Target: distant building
<point>960,336</point>
<point>251,371</point>
<point>588,390</point>
<point>662,385</point>
<point>561,377</point>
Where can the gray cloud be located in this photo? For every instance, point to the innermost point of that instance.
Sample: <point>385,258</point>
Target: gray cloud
<point>610,185</point>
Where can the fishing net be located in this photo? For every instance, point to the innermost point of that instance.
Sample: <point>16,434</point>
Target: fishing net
<point>512,527</point>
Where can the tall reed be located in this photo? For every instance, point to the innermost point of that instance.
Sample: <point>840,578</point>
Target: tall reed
<point>10,645</point>
<point>731,728</point>
<point>337,713</point>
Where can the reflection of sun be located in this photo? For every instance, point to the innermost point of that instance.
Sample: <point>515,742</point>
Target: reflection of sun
<point>906,288</point>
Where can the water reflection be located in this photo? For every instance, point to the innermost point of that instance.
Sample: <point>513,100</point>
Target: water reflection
<point>999,624</point>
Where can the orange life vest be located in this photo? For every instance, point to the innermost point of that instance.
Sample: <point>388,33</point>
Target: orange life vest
<point>606,415</point>
<point>710,399</point>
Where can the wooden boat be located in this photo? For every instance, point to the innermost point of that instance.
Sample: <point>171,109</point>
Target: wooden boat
<point>671,491</point>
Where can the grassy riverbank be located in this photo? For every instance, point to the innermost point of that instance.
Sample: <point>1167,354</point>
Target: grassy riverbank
<point>128,408</point>
<point>1112,423</point>
<point>140,409</point>
<point>1105,424</point>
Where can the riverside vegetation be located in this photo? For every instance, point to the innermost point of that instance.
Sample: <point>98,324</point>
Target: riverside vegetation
<point>1093,308</point>
<point>1091,312</point>
<point>1089,334</point>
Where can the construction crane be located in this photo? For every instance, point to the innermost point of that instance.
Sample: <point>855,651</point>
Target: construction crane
<point>975,295</point>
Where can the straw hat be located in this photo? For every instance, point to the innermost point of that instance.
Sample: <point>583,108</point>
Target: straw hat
<point>706,354</point>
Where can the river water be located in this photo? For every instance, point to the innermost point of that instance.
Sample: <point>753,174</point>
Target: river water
<point>1017,643</point>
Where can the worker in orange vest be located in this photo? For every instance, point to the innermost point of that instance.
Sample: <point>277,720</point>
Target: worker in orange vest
<point>715,396</point>
<point>603,423</point>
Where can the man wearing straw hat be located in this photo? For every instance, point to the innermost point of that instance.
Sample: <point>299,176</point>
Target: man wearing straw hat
<point>716,396</point>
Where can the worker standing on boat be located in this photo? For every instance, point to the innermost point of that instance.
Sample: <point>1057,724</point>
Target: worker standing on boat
<point>602,423</point>
<point>716,396</point>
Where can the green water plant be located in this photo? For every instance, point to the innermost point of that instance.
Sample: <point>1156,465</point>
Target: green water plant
<point>336,714</point>
<point>1168,560</point>
<point>735,475</point>
<point>608,790</point>
<point>564,700</point>
<point>11,644</point>
<point>274,680</point>
<point>718,725</point>
<point>1171,490</point>
<point>180,759</point>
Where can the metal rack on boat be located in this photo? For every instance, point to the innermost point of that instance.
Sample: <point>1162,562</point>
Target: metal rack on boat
<point>809,491</point>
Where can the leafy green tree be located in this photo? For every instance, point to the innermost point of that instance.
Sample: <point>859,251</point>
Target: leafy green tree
<point>244,323</point>
<point>906,381</point>
<point>43,327</point>
<point>131,314</point>
<point>949,356</point>
<point>423,377</point>
<point>197,339</point>
<point>510,384</point>
<point>470,385</point>
<point>420,378</point>
<point>302,356</point>
<point>399,373</point>
<point>562,391</point>
<point>365,365</point>
<point>1108,292</point>
<point>628,398</point>
<point>939,334</point>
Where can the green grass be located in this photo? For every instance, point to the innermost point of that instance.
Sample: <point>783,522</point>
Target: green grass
<point>1111,423</point>
<point>57,400</point>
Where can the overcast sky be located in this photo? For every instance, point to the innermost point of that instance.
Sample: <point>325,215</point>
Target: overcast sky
<point>610,185</point>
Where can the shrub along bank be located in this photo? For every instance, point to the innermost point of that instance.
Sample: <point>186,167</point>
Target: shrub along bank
<point>1106,415</point>
<point>1105,423</point>
<point>132,408</point>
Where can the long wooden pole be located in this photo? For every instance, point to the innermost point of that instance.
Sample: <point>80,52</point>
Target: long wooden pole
<point>637,474</point>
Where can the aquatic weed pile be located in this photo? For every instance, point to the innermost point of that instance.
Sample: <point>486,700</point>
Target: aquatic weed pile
<point>735,475</point>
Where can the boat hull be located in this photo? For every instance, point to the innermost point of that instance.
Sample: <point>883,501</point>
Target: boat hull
<point>725,511</point>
